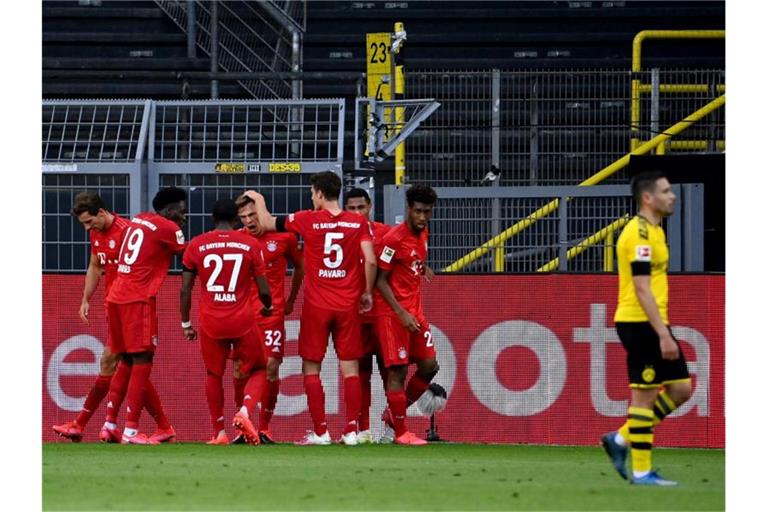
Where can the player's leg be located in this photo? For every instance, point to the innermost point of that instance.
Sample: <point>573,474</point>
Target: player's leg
<point>140,335</point>
<point>214,353</point>
<point>107,366</point>
<point>164,433</point>
<point>313,341</point>
<point>422,351</point>
<point>118,387</point>
<point>349,348</point>
<point>364,419</point>
<point>274,342</point>
<point>250,352</point>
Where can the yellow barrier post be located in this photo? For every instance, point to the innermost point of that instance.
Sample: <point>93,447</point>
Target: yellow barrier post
<point>637,45</point>
<point>592,180</point>
<point>608,252</point>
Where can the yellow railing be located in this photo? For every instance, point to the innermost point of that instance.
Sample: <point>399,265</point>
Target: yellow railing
<point>638,87</point>
<point>497,242</point>
<point>603,234</point>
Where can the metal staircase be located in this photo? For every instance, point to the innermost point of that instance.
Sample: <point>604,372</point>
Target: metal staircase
<point>263,36</point>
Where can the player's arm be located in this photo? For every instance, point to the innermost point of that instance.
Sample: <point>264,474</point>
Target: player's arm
<point>648,303</point>
<point>185,302</point>
<point>92,276</point>
<point>267,220</point>
<point>265,296</point>
<point>429,274</point>
<point>407,319</point>
<point>369,262</point>
<point>298,276</point>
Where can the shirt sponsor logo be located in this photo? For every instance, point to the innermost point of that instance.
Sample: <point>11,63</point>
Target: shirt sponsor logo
<point>386,254</point>
<point>643,253</point>
<point>180,237</point>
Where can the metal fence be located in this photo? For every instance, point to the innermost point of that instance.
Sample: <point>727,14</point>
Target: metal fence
<point>88,145</point>
<point>549,127</point>
<point>578,236</point>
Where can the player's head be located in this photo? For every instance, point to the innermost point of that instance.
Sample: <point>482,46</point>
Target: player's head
<point>224,212</point>
<point>357,200</point>
<point>246,210</point>
<point>652,190</point>
<point>326,187</point>
<point>171,203</point>
<point>91,210</point>
<point>421,199</point>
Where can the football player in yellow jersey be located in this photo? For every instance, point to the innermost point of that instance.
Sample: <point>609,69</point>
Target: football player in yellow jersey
<point>658,373</point>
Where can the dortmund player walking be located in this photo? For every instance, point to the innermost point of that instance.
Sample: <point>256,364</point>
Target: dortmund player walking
<point>658,374</point>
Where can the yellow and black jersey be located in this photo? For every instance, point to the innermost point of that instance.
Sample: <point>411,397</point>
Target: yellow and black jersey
<point>641,250</point>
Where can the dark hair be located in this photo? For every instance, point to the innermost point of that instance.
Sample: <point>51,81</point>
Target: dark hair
<point>357,192</point>
<point>90,202</point>
<point>644,182</point>
<point>168,196</point>
<point>224,210</point>
<point>327,182</point>
<point>242,201</point>
<point>420,194</point>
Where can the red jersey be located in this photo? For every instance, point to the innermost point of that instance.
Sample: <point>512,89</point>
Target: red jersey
<point>227,263</point>
<point>276,249</point>
<point>105,245</point>
<point>403,253</point>
<point>332,254</point>
<point>379,229</point>
<point>148,246</point>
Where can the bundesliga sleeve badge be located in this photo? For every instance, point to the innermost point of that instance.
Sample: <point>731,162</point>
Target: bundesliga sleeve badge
<point>386,254</point>
<point>643,253</point>
<point>180,237</point>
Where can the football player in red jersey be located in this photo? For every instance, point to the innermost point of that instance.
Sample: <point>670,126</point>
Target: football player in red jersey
<point>228,262</point>
<point>403,331</point>
<point>357,200</point>
<point>335,242</point>
<point>278,249</point>
<point>149,243</point>
<point>105,230</point>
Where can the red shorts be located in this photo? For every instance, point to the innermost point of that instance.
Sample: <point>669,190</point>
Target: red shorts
<point>247,348</point>
<point>132,327</point>
<point>400,346</point>
<point>274,334</point>
<point>318,323</point>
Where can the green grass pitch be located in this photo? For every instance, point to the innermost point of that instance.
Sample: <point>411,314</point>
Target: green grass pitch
<point>435,477</point>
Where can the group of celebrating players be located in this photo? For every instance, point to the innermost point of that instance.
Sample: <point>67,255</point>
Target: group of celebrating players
<point>362,283</point>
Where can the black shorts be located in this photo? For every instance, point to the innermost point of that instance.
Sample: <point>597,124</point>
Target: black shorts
<point>646,367</point>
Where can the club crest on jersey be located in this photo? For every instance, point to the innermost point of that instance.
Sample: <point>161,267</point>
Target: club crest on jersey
<point>643,253</point>
<point>271,246</point>
<point>401,353</point>
<point>180,237</point>
<point>112,244</point>
<point>386,254</point>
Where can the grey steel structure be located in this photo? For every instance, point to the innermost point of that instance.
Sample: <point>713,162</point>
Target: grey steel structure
<point>463,220</point>
<point>89,145</point>
<point>554,127</point>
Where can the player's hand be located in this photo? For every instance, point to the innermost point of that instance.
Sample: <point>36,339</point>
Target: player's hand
<point>84,310</point>
<point>668,347</point>
<point>366,302</point>
<point>288,307</point>
<point>429,274</point>
<point>409,321</point>
<point>255,196</point>
<point>190,333</point>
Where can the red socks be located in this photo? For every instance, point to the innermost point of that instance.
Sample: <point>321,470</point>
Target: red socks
<point>415,388</point>
<point>254,389</point>
<point>98,391</point>
<point>239,391</point>
<point>397,406</point>
<point>352,401</point>
<point>154,407</point>
<point>135,398</point>
<point>268,403</point>
<point>117,391</point>
<point>366,366</point>
<point>214,395</point>
<point>316,402</point>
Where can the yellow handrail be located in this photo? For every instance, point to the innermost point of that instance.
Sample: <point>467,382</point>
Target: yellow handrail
<point>637,45</point>
<point>498,240</point>
<point>682,88</point>
<point>586,243</point>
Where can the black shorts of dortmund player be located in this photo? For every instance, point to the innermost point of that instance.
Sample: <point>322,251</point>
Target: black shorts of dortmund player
<point>647,369</point>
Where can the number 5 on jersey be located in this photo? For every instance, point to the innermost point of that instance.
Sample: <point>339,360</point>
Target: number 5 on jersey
<point>334,254</point>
